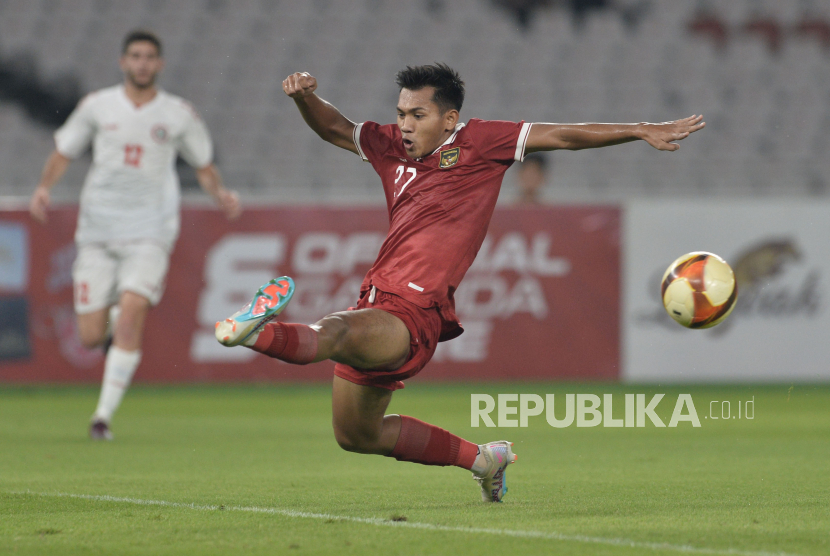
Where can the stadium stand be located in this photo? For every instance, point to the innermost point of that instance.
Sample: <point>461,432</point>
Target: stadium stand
<point>759,70</point>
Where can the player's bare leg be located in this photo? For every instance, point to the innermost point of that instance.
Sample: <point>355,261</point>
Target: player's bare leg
<point>370,339</point>
<point>92,328</point>
<point>365,338</point>
<point>121,361</point>
<point>96,329</point>
<point>361,425</point>
<point>359,418</point>
<point>129,329</point>
<point>93,332</point>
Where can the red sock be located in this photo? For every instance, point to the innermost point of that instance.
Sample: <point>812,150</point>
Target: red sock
<point>293,343</point>
<point>424,443</point>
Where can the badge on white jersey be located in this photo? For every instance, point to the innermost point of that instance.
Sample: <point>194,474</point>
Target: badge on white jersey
<point>159,133</point>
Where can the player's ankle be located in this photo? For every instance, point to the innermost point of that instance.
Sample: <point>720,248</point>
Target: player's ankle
<point>251,340</point>
<point>290,342</point>
<point>480,464</point>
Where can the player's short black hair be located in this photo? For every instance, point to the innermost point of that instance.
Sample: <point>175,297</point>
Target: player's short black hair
<point>139,35</point>
<point>449,89</point>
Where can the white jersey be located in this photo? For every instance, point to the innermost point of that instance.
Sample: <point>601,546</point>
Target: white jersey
<point>132,189</point>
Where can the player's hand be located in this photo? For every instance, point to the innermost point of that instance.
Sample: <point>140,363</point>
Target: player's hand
<point>299,85</point>
<point>228,201</point>
<point>662,136</point>
<point>39,203</point>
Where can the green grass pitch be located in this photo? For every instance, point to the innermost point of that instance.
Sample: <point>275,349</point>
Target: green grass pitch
<point>255,470</point>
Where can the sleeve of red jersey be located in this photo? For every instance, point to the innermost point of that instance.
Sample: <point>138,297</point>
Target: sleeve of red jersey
<point>372,140</point>
<point>500,141</point>
<point>73,138</point>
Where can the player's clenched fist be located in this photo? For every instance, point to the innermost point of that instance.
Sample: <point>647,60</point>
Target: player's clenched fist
<point>298,85</point>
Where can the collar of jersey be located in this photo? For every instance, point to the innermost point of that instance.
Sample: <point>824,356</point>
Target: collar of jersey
<point>449,140</point>
<point>122,91</point>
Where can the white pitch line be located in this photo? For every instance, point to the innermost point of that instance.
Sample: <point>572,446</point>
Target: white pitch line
<point>413,525</point>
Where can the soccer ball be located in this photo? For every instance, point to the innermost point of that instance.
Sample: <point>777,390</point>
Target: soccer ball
<point>699,290</point>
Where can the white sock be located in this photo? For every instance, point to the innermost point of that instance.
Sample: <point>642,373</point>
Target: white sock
<point>480,464</point>
<point>119,369</point>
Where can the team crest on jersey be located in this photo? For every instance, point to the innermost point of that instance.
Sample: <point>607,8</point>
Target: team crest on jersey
<point>449,157</point>
<point>159,133</point>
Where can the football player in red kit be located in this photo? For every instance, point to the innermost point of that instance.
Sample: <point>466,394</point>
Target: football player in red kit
<point>441,179</point>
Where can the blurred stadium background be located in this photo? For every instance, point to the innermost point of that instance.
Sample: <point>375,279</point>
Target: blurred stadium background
<point>565,291</point>
<point>757,69</point>
<point>752,186</point>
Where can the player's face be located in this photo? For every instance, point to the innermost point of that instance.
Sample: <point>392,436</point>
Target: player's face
<point>423,126</point>
<point>141,64</point>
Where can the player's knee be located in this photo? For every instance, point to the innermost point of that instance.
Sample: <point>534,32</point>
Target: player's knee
<point>90,339</point>
<point>332,330</point>
<point>353,440</point>
<point>92,330</point>
<point>128,329</point>
<point>345,441</point>
<point>126,336</point>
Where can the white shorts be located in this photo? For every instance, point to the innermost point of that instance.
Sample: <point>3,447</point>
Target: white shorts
<point>102,272</point>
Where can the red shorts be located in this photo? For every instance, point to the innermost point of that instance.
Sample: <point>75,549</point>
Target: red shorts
<point>424,327</point>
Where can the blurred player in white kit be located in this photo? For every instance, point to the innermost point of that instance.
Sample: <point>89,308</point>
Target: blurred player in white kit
<point>128,219</point>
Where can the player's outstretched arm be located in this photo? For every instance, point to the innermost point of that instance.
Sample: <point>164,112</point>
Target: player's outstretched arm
<point>662,136</point>
<point>53,170</point>
<point>211,181</point>
<point>322,117</point>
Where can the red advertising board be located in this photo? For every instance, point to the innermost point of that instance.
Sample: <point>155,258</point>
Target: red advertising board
<point>541,302</point>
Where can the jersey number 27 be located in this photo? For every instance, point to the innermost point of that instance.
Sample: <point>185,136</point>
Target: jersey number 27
<point>399,174</point>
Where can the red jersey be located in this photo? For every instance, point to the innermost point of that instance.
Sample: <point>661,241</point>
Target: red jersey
<point>439,208</point>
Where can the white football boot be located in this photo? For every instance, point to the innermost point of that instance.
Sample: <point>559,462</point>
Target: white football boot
<point>268,302</point>
<point>498,456</point>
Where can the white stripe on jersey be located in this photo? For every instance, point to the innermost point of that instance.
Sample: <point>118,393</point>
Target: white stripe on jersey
<point>522,142</point>
<point>356,138</point>
<point>415,287</point>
